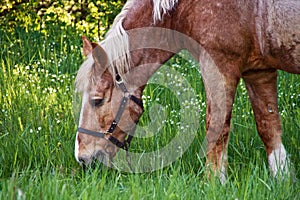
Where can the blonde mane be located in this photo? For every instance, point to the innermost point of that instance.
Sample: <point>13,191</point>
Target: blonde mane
<point>116,43</point>
<point>162,7</point>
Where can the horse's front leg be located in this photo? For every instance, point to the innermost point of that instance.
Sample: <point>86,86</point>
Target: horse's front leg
<point>220,87</point>
<point>262,89</point>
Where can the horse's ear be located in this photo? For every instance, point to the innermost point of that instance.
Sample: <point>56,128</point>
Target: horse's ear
<point>87,46</point>
<point>97,51</point>
<point>100,56</point>
<point>94,45</point>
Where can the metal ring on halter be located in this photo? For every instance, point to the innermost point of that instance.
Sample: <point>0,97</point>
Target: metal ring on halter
<point>119,79</point>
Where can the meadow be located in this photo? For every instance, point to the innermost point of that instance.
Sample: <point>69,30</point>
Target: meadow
<point>38,121</point>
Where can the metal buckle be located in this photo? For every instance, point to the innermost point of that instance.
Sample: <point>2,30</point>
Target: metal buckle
<point>106,133</point>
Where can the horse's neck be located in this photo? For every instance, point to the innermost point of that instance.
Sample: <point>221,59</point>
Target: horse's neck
<point>145,63</point>
<point>149,45</point>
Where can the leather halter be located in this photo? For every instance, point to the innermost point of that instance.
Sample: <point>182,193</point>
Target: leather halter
<point>124,145</point>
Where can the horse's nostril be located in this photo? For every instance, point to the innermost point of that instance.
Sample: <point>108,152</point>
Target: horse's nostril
<point>99,155</point>
<point>89,161</point>
<point>83,160</point>
<point>103,158</point>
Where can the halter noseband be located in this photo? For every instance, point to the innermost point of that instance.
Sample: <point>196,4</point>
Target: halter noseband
<point>124,145</point>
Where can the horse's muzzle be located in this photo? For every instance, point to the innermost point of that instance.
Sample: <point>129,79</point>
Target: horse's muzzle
<point>98,158</point>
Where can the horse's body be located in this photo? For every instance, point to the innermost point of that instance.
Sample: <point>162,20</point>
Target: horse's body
<point>242,39</point>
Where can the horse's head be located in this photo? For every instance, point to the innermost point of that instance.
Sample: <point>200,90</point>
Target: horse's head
<point>110,108</point>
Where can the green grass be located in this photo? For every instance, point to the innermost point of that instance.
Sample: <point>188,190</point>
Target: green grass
<point>38,125</point>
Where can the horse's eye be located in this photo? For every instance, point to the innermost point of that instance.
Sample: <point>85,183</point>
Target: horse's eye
<point>96,102</point>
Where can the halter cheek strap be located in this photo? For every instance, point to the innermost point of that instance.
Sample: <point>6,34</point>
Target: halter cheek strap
<point>124,145</point>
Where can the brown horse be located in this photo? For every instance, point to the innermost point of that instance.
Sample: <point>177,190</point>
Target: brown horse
<point>231,39</point>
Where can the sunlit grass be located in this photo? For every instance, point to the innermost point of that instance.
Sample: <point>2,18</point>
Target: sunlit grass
<point>37,130</point>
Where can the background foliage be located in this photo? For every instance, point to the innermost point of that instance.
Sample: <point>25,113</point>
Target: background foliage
<point>92,17</point>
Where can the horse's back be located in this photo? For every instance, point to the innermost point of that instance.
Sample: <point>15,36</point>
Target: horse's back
<point>219,26</point>
<point>266,30</point>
